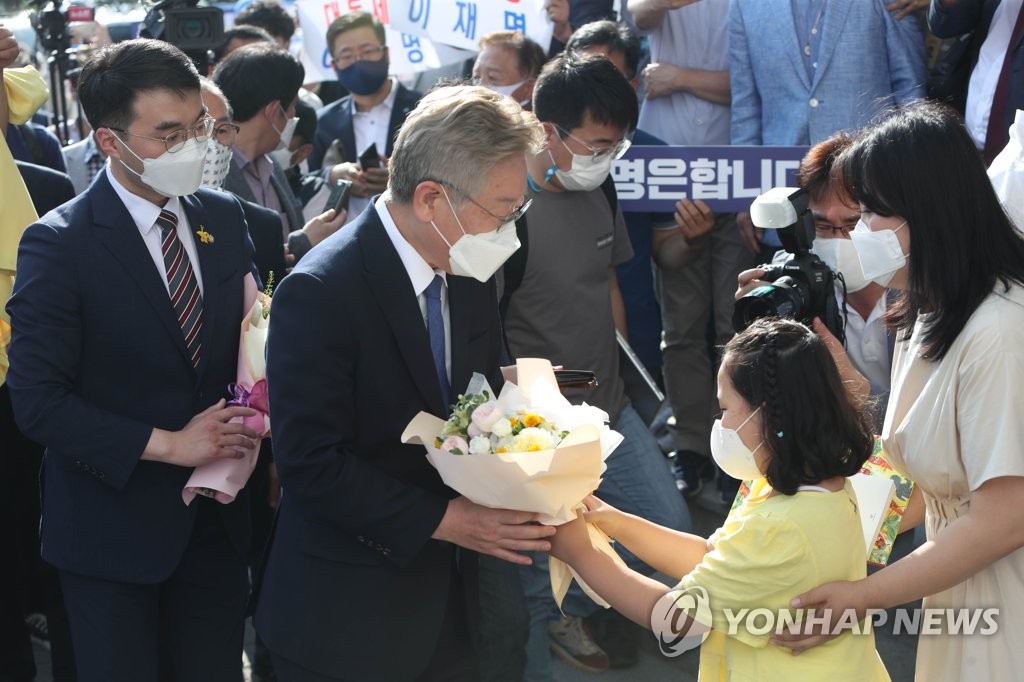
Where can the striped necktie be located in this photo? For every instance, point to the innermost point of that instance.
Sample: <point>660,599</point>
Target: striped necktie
<point>182,284</point>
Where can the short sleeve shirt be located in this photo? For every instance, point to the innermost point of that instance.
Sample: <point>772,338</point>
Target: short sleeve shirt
<point>562,308</point>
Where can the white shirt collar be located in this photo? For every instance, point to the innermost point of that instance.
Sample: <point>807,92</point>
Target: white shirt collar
<point>420,272</point>
<point>388,103</point>
<point>143,211</point>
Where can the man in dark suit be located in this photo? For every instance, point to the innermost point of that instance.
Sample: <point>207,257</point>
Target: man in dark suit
<point>372,570</point>
<point>371,114</point>
<point>125,319</point>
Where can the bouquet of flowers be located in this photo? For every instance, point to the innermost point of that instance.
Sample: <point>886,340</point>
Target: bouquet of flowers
<point>223,478</point>
<point>529,449</point>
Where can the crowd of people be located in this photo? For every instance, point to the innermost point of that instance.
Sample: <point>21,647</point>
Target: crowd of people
<point>482,224</point>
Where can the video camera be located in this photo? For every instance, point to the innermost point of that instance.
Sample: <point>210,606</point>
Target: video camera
<point>803,287</point>
<point>51,24</point>
<point>196,31</point>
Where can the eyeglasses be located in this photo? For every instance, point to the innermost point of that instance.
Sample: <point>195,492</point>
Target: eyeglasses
<point>829,230</point>
<point>175,142</point>
<point>615,151</point>
<point>503,220</point>
<point>225,133</point>
<point>367,54</point>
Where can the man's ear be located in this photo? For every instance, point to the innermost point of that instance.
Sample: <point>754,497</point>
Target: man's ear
<point>107,143</point>
<point>425,200</point>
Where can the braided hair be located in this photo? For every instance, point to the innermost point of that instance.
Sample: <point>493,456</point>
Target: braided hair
<point>809,422</point>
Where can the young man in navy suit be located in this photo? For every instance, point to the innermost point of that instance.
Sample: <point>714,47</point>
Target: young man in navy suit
<point>125,319</point>
<point>372,571</point>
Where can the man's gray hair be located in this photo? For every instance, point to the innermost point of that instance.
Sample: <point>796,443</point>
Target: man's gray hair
<point>457,134</point>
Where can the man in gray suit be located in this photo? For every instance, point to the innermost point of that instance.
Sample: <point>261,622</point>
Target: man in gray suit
<point>261,83</point>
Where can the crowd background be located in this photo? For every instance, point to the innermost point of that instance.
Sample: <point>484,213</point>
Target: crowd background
<point>699,73</point>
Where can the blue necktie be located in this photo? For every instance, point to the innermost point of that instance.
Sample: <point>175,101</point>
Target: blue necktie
<point>435,329</point>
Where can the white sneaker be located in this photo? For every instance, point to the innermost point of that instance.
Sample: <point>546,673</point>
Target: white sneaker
<point>571,641</point>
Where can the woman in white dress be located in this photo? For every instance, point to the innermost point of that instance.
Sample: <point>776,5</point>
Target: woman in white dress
<point>932,228</point>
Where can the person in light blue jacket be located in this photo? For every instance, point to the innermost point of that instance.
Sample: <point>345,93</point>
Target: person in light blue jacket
<point>805,69</point>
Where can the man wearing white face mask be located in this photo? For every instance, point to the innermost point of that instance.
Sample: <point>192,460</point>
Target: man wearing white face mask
<point>125,336</point>
<point>388,317</point>
<point>836,218</point>
<point>261,82</point>
<point>509,64</point>
<point>565,305</point>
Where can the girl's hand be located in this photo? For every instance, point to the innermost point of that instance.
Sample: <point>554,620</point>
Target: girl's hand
<point>602,515</point>
<point>570,541</point>
<point>833,599</point>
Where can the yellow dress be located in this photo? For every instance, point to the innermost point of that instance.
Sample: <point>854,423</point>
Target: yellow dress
<point>26,92</point>
<point>951,426</point>
<point>769,550</point>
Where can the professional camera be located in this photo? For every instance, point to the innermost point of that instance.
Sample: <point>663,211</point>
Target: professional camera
<point>196,31</point>
<point>803,287</point>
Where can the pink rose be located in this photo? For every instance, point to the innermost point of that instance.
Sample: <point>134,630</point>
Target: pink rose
<point>456,445</point>
<point>485,415</point>
<point>474,430</point>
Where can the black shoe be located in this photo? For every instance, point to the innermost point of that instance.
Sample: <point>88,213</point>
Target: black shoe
<point>617,635</point>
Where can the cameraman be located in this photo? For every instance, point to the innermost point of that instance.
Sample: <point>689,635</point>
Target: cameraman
<point>868,344</point>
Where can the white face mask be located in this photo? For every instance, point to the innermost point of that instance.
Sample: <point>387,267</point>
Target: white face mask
<point>506,90</point>
<point>880,253</point>
<point>479,255</point>
<point>586,173</point>
<point>217,164</point>
<point>281,154</point>
<point>729,452</point>
<point>173,175</point>
<point>841,256</point>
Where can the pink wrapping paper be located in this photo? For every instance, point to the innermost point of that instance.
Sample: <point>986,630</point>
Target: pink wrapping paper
<point>223,478</point>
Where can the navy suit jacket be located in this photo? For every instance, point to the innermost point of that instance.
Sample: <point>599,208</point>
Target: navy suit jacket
<point>334,122</point>
<point>352,565</point>
<point>47,187</point>
<point>98,360</point>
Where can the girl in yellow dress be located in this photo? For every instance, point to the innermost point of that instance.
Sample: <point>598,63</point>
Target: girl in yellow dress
<point>789,425</point>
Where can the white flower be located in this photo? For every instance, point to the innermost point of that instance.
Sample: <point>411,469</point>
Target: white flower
<point>480,445</point>
<point>499,445</point>
<point>502,428</point>
<point>473,430</point>
<point>484,416</point>
<point>533,439</point>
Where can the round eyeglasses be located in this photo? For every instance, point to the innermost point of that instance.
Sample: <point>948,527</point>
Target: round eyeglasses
<point>175,142</point>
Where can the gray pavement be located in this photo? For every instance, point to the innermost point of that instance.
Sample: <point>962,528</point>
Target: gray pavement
<point>897,651</point>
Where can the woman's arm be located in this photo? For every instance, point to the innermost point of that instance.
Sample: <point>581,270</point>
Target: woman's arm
<point>992,528</point>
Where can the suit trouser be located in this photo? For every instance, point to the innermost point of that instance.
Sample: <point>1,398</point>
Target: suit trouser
<point>188,628</point>
<point>453,659</point>
<point>690,296</point>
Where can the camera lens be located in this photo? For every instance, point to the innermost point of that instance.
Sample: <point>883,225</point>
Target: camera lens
<point>785,297</point>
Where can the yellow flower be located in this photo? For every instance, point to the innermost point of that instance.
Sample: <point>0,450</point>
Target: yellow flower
<point>501,450</point>
<point>531,419</point>
<point>204,236</point>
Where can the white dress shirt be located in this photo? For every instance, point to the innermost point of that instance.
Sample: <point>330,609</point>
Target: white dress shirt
<point>421,275</point>
<point>867,344</point>
<point>145,213</point>
<point>982,88</point>
<point>371,127</point>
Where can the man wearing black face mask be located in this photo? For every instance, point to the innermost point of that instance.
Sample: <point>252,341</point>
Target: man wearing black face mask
<point>370,115</point>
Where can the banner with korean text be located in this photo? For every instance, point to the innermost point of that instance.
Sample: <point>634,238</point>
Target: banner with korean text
<point>726,178</point>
